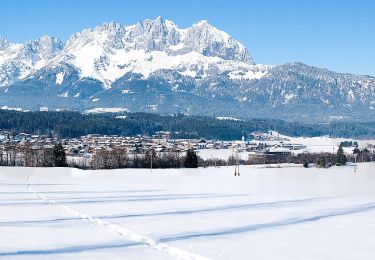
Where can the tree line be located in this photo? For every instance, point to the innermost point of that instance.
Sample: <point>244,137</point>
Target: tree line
<point>69,124</point>
<point>28,155</point>
<point>119,158</point>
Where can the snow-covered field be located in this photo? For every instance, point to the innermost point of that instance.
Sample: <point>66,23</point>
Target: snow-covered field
<point>266,213</point>
<point>319,144</point>
<point>325,144</point>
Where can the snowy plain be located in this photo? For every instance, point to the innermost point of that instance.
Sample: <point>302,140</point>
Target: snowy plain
<point>319,144</point>
<point>205,213</point>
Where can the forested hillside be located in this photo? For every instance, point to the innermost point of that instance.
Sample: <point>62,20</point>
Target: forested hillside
<point>75,124</point>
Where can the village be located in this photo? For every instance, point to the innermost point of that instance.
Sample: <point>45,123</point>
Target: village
<point>254,148</point>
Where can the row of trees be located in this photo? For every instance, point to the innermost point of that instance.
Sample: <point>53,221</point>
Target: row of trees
<point>29,155</point>
<point>349,144</point>
<point>105,159</point>
<point>323,160</point>
<point>340,158</point>
<point>118,158</point>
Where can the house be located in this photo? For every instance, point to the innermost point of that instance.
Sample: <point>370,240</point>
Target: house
<point>370,148</point>
<point>202,144</point>
<point>279,151</point>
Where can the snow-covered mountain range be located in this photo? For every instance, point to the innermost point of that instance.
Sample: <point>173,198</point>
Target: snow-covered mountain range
<point>156,66</point>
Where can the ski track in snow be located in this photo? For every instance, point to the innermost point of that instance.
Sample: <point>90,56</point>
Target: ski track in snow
<point>280,223</point>
<point>249,206</point>
<point>119,230</point>
<point>69,249</point>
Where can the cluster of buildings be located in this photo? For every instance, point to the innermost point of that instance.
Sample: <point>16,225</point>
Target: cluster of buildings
<point>91,143</point>
<point>255,145</point>
<point>7,137</point>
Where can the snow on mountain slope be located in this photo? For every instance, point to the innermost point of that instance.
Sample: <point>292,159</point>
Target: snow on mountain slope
<point>109,51</point>
<point>3,43</point>
<point>297,82</point>
<point>17,61</point>
<point>156,65</point>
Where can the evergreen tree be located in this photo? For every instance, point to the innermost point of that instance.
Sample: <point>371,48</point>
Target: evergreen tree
<point>191,159</point>
<point>306,164</point>
<point>59,156</point>
<point>341,158</point>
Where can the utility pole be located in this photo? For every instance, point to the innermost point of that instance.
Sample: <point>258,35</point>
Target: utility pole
<point>237,163</point>
<point>151,161</point>
<point>151,157</point>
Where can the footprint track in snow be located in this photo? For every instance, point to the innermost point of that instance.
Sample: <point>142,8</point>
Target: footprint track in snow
<point>119,230</point>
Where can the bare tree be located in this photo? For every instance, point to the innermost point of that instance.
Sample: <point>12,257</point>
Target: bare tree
<point>120,157</point>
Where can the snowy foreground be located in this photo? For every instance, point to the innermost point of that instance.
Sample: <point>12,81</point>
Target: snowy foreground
<point>266,213</point>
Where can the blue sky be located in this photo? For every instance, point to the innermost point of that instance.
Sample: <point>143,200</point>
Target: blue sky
<point>335,34</point>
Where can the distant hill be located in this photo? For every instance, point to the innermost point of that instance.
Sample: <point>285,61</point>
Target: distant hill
<point>74,124</point>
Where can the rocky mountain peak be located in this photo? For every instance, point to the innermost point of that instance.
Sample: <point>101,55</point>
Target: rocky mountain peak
<point>110,50</point>
<point>210,41</point>
<point>46,46</point>
<point>3,43</point>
